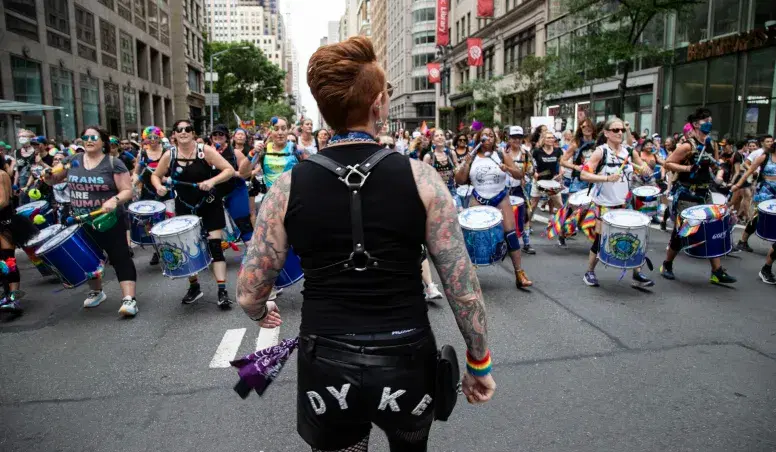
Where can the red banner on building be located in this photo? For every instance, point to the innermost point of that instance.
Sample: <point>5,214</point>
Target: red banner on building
<point>434,72</point>
<point>475,51</point>
<point>442,34</point>
<point>485,8</point>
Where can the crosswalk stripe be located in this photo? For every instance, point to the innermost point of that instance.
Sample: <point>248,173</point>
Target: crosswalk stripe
<point>267,338</point>
<point>228,347</point>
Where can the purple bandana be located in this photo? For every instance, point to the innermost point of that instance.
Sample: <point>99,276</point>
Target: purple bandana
<point>259,369</point>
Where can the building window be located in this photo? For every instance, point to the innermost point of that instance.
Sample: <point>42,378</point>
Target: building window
<point>108,44</point>
<point>694,27</point>
<point>125,9</point>
<point>25,8</point>
<point>516,48</point>
<point>140,14</point>
<point>25,23</point>
<point>22,27</point>
<point>90,100</point>
<point>112,107</point>
<point>423,15</point>
<point>153,19</point>
<point>57,16</point>
<point>486,70</point>
<point>127,55</point>
<point>193,79</point>
<point>425,110</point>
<point>164,28</point>
<point>62,96</point>
<point>84,22</point>
<point>27,81</point>
<point>130,108</point>
<point>420,83</point>
<point>421,60</point>
<point>108,3</point>
<point>426,37</point>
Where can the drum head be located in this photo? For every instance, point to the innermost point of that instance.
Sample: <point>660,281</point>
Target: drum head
<point>44,235</point>
<point>516,201</point>
<point>580,198</point>
<point>464,190</point>
<point>549,184</point>
<point>480,218</point>
<point>175,225</point>
<point>626,218</point>
<point>29,207</point>
<point>647,191</point>
<point>768,206</point>
<point>718,198</point>
<point>701,212</point>
<point>58,238</point>
<point>146,207</point>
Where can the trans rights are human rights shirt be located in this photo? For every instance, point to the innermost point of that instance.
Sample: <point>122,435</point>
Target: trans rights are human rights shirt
<point>90,188</point>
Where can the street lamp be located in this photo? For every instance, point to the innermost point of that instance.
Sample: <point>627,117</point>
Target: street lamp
<point>212,57</point>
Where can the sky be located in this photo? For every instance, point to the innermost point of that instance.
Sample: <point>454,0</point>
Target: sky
<point>309,23</point>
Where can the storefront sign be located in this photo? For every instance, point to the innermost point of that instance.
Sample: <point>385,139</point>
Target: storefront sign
<point>442,34</point>
<point>729,44</point>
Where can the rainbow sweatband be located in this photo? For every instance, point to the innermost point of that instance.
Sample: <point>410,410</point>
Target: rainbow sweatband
<point>478,368</point>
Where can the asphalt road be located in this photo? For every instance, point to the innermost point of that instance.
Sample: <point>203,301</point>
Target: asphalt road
<point>685,366</point>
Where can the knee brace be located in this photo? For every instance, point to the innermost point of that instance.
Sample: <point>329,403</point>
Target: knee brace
<point>13,275</point>
<point>675,243</point>
<point>216,252</point>
<point>751,226</point>
<point>596,244</point>
<point>512,243</point>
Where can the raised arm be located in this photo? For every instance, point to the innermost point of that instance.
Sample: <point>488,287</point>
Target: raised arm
<point>749,171</point>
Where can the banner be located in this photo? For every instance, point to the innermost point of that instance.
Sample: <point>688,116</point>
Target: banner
<point>485,8</point>
<point>442,34</point>
<point>475,51</point>
<point>434,72</point>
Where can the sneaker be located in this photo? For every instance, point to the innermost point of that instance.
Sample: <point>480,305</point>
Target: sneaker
<point>590,279</point>
<point>528,249</point>
<point>154,259</point>
<point>743,246</point>
<point>521,280</point>
<point>667,270</point>
<point>562,242</point>
<point>273,295</point>
<point>766,274</point>
<point>720,276</point>
<point>10,303</point>
<point>642,281</point>
<point>223,299</point>
<point>663,226</point>
<point>94,298</point>
<point>128,307</point>
<point>432,292</point>
<point>193,294</point>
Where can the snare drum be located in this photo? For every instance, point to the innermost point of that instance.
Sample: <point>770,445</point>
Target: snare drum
<point>646,200</point>
<point>35,242</point>
<point>624,237</point>
<point>291,272</point>
<point>30,210</point>
<point>518,208</point>
<point>580,200</point>
<point>718,198</point>
<point>464,194</point>
<point>143,216</point>
<point>182,249</point>
<point>552,187</point>
<point>713,237</point>
<point>483,234</point>
<point>73,256</point>
<point>766,220</point>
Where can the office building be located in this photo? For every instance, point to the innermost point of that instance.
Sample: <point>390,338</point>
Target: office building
<point>379,15</point>
<point>187,26</point>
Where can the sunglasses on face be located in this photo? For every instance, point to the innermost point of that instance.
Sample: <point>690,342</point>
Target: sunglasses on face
<point>616,130</point>
<point>185,129</point>
<point>462,140</point>
<point>90,137</point>
<point>218,134</point>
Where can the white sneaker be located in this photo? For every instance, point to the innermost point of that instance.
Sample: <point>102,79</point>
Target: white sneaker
<point>94,299</point>
<point>273,295</point>
<point>432,293</point>
<point>128,307</point>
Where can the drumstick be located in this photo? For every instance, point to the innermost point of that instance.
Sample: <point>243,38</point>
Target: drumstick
<point>171,181</point>
<point>81,218</point>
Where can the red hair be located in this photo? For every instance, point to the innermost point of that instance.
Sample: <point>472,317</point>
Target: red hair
<point>345,79</point>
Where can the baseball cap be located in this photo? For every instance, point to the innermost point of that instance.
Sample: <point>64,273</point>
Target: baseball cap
<point>220,128</point>
<point>516,131</point>
<point>40,139</point>
<point>415,134</point>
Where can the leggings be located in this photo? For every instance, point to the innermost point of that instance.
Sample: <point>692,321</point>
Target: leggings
<point>114,243</point>
<point>751,226</point>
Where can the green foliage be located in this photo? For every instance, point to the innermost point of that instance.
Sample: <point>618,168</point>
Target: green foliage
<point>487,99</point>
<point>265,111</point>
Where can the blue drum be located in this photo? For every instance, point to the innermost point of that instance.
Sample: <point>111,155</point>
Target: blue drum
<point>42,237</point>
<point>766,220</point>
<point>143,216</point>
<point>291,272</point>
<point>713,237</point>
<point>464,193</point>
<point>483,234</point>
<point>73,256</point>
<point>31,210</point>
<point>182,249</point>
<point>624,238</point>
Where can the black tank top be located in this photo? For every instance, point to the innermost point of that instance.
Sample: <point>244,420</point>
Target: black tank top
<point>318,225</point>
<point>197,170</point>
<point>147,168</point>
<point>703,176</point>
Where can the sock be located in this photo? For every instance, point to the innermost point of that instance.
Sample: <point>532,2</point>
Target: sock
<point>193,280</point>
<point>526,238</point>
<point>668,265</point>
<point>221,285</point>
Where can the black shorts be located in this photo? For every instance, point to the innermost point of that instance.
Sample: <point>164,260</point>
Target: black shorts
<point>211,213</point>
<point>344,387</point>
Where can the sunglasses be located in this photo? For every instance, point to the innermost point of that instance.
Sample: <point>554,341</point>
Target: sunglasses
<point>90,137</point>
<point>185,129</point>
<point>462,140</point>
<point>389,88</point>
<point>617,130</point>
<point>218,134</point>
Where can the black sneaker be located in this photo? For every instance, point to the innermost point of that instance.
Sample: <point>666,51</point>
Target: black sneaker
<point>528,249</point>
<point>640,280</point>
<point>720,276</point>
<point>663,226</point>
<point>562,242</point>
<point>667,270</point>
<point>766,274</point>
<point>154,259</point>
<point>223,299</point>
<point>192,295</point>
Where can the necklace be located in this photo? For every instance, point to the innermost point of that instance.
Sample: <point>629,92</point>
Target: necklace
<point>352,137</point>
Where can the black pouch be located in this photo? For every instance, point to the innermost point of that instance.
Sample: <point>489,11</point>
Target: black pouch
<point>448,383</point>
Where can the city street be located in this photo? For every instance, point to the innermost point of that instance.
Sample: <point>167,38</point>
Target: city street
<point>687,366</point>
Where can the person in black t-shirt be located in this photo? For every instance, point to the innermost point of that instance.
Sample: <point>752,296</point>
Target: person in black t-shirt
<point>547,168</point>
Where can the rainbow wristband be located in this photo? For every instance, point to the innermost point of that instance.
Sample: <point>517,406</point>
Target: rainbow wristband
<point>478,367</point>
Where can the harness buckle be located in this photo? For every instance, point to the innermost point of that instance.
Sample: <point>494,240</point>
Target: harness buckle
<point>361,254</point>
<point>354,171</point>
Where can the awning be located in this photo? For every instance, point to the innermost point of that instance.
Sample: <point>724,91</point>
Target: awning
<point>12,106</point>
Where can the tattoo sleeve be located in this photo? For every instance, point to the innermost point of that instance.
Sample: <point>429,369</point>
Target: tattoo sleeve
<point>448,252</point>
<point>267,251</point>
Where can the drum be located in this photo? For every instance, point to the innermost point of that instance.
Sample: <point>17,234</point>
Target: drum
<point>646,200</point>
<point>483,234</point>
<point>713,237</point>
<point>291,272</point>
<point>182,249</point>
<point>35,242</point>
<point>552,187</point>
<point>518,208</point>
<point>464,194</point>
<point>766,220</point>
<point>143,216</point>
<point>231,231</point>
<point>718,198</point>
<point>580,200</point>
<point>624,237</point>
<point>73,256</point>
<point>34,208</point>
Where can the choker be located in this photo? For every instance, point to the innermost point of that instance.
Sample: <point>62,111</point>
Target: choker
<point>352,137</point>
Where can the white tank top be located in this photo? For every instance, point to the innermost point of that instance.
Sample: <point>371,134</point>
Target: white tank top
<point>486,177</point>
<point>613,193</point>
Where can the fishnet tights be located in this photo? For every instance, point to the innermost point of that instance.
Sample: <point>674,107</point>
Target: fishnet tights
<point>361,446</point>
<point>399,441</point>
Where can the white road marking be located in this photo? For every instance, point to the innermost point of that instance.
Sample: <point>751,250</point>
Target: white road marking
<point>228,347</point>
<point>267,338</point>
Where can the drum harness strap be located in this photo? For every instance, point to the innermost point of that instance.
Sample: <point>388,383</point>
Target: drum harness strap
<point>354,178</point>
<point>205,199</point>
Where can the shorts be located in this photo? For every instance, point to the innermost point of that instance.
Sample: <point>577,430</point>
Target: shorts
<point>340,393</point>
<point>211,213</point>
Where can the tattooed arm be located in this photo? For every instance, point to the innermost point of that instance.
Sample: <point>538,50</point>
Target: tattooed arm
<point>446,247</point>
<point>266,255</point>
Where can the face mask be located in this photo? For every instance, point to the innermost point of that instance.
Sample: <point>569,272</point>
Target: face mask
<point>24,141</point>
<point>705,127</point>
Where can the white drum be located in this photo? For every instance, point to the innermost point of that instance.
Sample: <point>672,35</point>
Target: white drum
<point>553,187</point>
<point>580,199</point>
<point>624,238</point>
<point>62,193</point>
<point>718,198</point>
<point>182,249</point>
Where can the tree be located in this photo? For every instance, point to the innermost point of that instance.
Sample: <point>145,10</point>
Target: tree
<point>245,77</point>
<point>487,99</point>
<point>265,111</point>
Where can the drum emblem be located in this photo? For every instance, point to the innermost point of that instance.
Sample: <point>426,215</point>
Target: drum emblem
<point>623,246</point>
<point>173,257</point>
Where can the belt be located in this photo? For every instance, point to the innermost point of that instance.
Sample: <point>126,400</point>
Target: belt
<point>384,356</point>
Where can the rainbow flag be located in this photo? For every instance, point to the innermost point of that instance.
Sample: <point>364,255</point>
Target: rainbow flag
<point>555,225</point>
<point>588,223</point>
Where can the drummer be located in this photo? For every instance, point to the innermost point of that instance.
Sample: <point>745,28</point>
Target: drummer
<point>578,152</point>
<point>98,180</point>
<point>610,167</point>
<point>148,159</point>
<point>193,162</point>
<point>520,186</point>
<point>235,191</point>
<point>547,168</point>
<point>487,173</point>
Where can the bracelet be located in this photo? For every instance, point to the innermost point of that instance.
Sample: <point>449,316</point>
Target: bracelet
<point>261,317</point>
<point>478,368</point>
